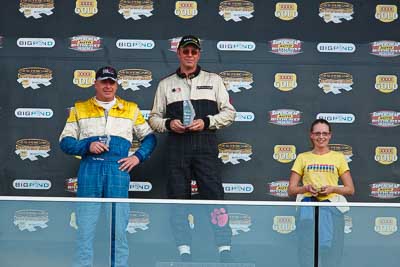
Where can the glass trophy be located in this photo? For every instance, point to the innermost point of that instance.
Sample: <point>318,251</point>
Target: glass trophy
<point>188,113</point>
<point>105,139</point>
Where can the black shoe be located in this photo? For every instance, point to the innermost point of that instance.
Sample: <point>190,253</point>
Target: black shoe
<point>225,256</point>
<point>186,257</point>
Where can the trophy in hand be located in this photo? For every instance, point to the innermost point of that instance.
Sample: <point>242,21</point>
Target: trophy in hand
<point>188,113</point>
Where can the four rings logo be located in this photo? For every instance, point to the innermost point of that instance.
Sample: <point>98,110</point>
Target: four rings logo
<point>32,184</point>
<point>385,118</point>
<point>337,117</point>
<point>333,82</point>
<point>140,187</point>
<point>244,116</point>
<point>386,83</point>
<point>385,154</point>
<point>336,11</point>
<point>138,220</point>
<point>278,188</point>
<point>135,9</point>
<point>135,44</point>
<point>35,8</point>
<point>385,190</point>
<point>346,150</point>
<point>86,8</point>
<point>36,42</point>
<point>285,81</point>
<point>33,113</point>
<point>285,117</point>
<point>71,184</point>
<point>385,48</point>
<point>239,222</point>
<point>286,47</point>
<point>236,46</point>
<point>33,77</point>
<point>32,148</point>
<point>286,11</point>
<point>236,79</point>
<point>236,9</point>
<point>386,13</point>
<point>385,225</point>
<point>284,153</point>
<point>284,224</point>
<point>133,78</point>
<point>336,48</point>
<point>85,43</point>
<point>31,219</point>
<point>84,78</point>
<point>186,9</point>
<point>234,151</point>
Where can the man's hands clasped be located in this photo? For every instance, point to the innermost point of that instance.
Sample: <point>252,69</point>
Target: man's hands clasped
<point>196,126</point>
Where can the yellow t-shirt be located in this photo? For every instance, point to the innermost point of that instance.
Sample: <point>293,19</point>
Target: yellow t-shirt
<point>320,170</point>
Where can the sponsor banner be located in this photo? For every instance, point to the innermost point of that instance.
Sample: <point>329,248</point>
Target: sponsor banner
<point>140,186</point>
<point>230,188</point>
<point>385,118</point>
<point>385,225</point>
<point>135,44</point>
<point>244,116</point>
<point>71,184</point>
<point>236,46</point>
<point>33,77</point>
<point>32,148</point>
<point>239,222</point>
<point>84,78</point>
<point>285,81</point>
<point>236,10</point>
<point>32,184</point>
<point>385,48</point>
<point>33,113</point>
<point>337,117</point>
<point>194,189</point>
<point>285,117</point>
<point>30,219</point>
<point>138,220</point>
<point>186,9</point>
<point>36,8</point>
<point>86,8</point>
<point>86,43</point>
<point>385,154</point>
<point>334,82</point>
<point>346,150</point>
<point>173,43</point>
<point>36,42</point>
<point>278,188</point>
<point>284,224</point>
<point>135,9</point>
<point>385,190</point>
<point>336,12</point>
<point>336,47</point>
<point>286,11</point>
<point>284,153</point>
<point>133,78</point>
<point>386,13</point>
<point>348,224</point>
<point>234,151</point>
<point>236,79</point>
<point>286,46</point>
<point>386,83</point>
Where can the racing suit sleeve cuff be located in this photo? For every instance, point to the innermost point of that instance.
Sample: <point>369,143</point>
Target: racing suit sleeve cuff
<point>206,122</point>
<point>139,156</point>
<point>168,124</point>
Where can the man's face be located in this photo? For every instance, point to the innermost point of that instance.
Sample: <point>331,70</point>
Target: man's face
<point>188,56</point>
<point>105,89</point>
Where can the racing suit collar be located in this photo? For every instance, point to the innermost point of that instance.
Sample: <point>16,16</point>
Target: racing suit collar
<point>118,103</point>
<point>191,75</point>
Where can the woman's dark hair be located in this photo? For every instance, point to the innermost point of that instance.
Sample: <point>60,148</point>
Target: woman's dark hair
<point>320,121</point>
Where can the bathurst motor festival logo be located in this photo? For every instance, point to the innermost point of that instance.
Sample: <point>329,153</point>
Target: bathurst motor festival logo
<point>385,118</point>
<point>32,148</point>
<point>236,9</point>
<point>284,224</point>
<point>239,222</point>
<point>385,190</point>
<point>30,219</point>
<point>236,79</point>
<point>234,151</point>
<point>194,189</point>
<point>346,150</point>
<point>336,12</point>
<point>86,8</point>
<point>286,11</point>
<point>86,43</point>
<point>133,78</point>
<point>173,43</point>
<point>36,8</point>
<point>286,47</point>
<point>386,83</point>
<point>385,225</point>
<point>334,82</point>
<point>71,184</point>
<point>385,48</point>
<point>284,153</point>
<point>135,9</point>
<point>138,220</point>
<point>33,77</point>
<point>186,9</point>
<point>285,81</point>
<point>84,78</point>
<point>278,188</point>
<point>386,13</point>
<point>386,154</point>
<point>285,117</point>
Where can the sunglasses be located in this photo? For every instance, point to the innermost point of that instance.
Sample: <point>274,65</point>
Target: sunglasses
<point>193,52</point>
<point>324,134</point>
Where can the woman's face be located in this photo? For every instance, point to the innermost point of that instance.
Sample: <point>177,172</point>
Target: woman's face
<point>320,135</point>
